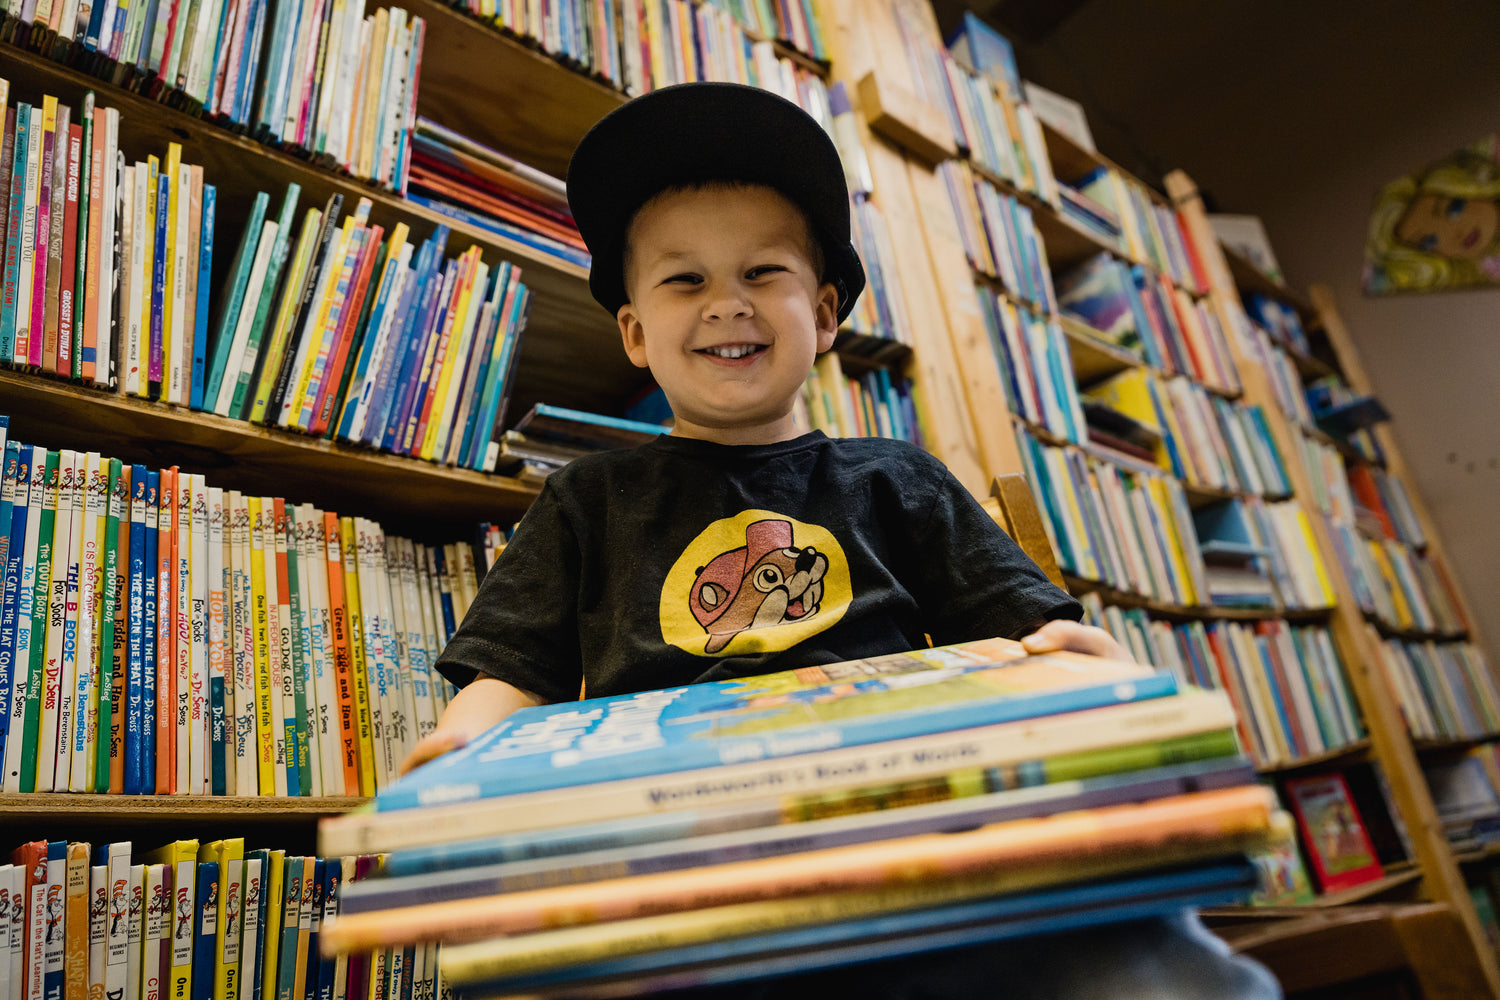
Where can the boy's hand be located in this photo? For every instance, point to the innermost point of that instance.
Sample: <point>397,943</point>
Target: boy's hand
<point>1062,635</point>
<point>485,702</point>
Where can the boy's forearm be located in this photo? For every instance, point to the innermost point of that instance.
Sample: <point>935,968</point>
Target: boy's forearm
<point>482,704</point>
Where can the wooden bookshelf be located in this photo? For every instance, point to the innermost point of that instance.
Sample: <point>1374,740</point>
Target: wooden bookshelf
<point>1249,278</point>
<point>1397,879</point>
<point>1355,753</point>
<point>72,808</point>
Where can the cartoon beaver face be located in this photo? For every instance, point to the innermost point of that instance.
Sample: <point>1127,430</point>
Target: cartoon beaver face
<point>765,582</point>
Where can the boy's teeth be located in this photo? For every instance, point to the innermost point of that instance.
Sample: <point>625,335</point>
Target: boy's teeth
<point>731,352</point>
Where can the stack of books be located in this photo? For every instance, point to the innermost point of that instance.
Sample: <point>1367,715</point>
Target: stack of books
<point>807,819</point>
<point>548,437</point>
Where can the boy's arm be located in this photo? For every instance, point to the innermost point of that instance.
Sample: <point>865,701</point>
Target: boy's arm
<point>480,705</point>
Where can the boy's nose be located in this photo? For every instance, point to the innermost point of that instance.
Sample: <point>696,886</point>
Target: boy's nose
<point>726,302</point>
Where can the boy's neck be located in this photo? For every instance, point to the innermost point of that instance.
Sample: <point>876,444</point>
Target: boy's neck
<point>774,432</point>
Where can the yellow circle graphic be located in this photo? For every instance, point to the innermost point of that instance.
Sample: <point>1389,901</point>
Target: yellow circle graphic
<point>758,582</point>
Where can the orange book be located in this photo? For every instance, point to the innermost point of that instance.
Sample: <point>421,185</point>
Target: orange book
<point>76,922</point>
<point>1049,848</point>
<point>343,670</point>
<point>1362,485</point>
<point>166,634</point>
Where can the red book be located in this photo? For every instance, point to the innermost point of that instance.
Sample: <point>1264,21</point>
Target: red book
<point>339,355</point>
<point>1223,668</point>
<point>90,341</point>
<point>32,860</point>
<point>1332,832</point>
<point>43,335</point>
<point>66,288</point>
<point>1195,261</point>
<point>166,605</point>
<point>343,669</point>
<point>1362,485</point>
<point>1282,678</point>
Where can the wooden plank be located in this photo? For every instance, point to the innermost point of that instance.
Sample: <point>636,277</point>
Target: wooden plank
<point>899,115</point>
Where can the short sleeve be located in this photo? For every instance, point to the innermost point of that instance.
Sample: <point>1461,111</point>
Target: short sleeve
<point>969,577</point>
<point>522,627</point>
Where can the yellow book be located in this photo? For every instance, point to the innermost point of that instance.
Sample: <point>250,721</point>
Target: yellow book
<point>260,616</point>
<point>291,407</point>
<point>174,161</point>
<point>1392,584</point>
<point>1130,393</point>
<point>304,924</point>
<point>365,154</point>
<point>1175,544</point>
<point>231,857</point>
<point>181,859</point>
<point>360,679</point>
<point>76,930</point>
<point>270,929</point>
<point>474,272</point>
<point>1060,472</point>
<point>656,30</point>
<point>1325,586</point>
<point>831,381</point>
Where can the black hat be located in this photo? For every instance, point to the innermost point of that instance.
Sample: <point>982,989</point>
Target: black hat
<point>696,132</point>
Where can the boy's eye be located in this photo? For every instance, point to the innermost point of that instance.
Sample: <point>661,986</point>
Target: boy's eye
<point>1456,206</point>
<point>685,278</point>
<point>763,270</point>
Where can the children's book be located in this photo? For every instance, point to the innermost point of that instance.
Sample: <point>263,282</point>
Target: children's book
<point>1333,833</point>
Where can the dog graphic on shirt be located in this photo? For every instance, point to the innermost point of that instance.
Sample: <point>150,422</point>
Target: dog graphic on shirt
<point>767,581</point>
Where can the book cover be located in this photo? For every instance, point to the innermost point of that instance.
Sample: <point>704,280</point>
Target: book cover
<point>1333,834</point>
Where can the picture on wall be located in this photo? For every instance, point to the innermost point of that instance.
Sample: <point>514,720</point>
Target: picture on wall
<point>1439,228</point>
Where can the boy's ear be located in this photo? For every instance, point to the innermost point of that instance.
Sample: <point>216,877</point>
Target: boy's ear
<point>632,334</point>
<point>826,316</point>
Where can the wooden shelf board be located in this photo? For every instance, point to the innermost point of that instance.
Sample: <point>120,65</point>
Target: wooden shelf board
<point>65,807</point>
<point>1249,278</point>
<point>1389,631</point>
<point>569,352</point>
<point>1435,748</point>
<point>1351,754</point>
<point>1093,359</point>
<point>1178,612</point>
<point>399,492</point>
<point>1396,878</point>
<point>1070,161</point>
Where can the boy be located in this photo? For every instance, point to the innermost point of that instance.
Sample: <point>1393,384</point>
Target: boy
<point>718,220</point>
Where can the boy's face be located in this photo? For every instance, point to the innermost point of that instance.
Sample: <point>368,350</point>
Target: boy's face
<point>726,309</point>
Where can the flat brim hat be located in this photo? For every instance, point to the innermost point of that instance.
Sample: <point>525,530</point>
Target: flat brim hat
<point>692,133</point>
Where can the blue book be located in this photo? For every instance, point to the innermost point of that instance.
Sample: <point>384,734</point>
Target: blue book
<point>1221,882</point>
<point>205,269</point>
<point>148,648</point>
<point>488,426</point>
<point>54,971</point>
<point>772,838</point>
<point>360,384</point>
<point>286,958</point>
<point>10,584</point>
<point>410,383</point>
<point>776,715</point>
<point>445,590</point>
<point>249,62</point>
<point>159,290</point>
<point>205,931</point>
<point>381,394</point>
<point>333,891</point>
<point>490,224</point>
<point>320,888</point>
<point>559,422</point>
<point>96,21</point>
<point>975,44</point>
<point>135,680</point>
<point>481,358</point>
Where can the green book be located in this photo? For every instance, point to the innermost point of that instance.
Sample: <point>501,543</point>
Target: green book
<point>297,745</point>
<point>239,277</point>
<point>42,602</point>
<point>239,405</point>
<point>107,611</point>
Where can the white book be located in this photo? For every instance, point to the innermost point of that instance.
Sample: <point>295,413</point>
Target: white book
<point>304,67</point>
<point>136,280</point>
<point>377,677</point>
<point>94,472</point>
<point>157,929</point>
<point>354,150</point>
<point>117,930</point>
<point>200,62</point>
<point>29,490</point>
<point>333,256</point>
<point>250,923</point>
<point>10,951</point>
<point>399,708</point>
<point>425,717</point>
<point>57,693</point>
<point>217,572</point>
<point>106,263</point>
<point>334,53</point>
<point>31,193</point>
<point>315,557</point>
<point>199,711</point>
<point>395,593</point>
<point>253,290</point>
<point>273,643</point>
<point>399,272</point>
<point>98,894</point>
<point>395,100</point>
<point>308,765</point>
<point>135,932</point>
<point>182,646</point>
<point>242,632</point>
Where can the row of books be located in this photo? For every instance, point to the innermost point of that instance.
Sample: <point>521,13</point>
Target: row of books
<point>1397,585</point>
<point>456,176</point>
<point>1281,371</point>
<point>331,81</point>
<point>1036,370</point>
<point>1288,685</point>
<point>739,852</point>
<point>999,236</point>
<point>1365,496</point>
<point>1445,689</point>
<point>1281,322</point>
<point>1150,233</point>
<point>548,437</point>
<point>1466,791</point>
<point>873,404</point>
<point>1143,313</point>
<point>190,919</point>
<point>161,635</point>
<point>1203,439</point>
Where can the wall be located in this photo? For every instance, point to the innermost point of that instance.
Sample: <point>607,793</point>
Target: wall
<point>1299,118</point>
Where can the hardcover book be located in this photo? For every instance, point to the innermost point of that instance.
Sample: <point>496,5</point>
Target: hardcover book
<point>1333,833</point>
<point>774,715</point>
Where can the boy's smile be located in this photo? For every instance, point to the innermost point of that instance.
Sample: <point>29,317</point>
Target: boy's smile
<point>727,309</point>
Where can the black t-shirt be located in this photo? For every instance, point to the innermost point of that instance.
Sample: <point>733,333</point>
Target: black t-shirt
<point>685,560</point>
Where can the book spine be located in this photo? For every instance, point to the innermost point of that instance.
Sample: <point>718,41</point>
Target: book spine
<point>343,670</point>
<point>358,666</point>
